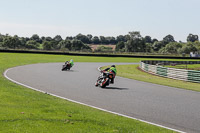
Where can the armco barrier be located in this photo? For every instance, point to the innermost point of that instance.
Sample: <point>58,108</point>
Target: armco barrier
<point>154,67</point>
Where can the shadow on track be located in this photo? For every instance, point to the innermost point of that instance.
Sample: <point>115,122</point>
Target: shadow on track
<point>70,71</point>
<point>115,88</point>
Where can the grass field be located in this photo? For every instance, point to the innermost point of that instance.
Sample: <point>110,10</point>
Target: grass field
<point>23,110</point>
<point>184,66</point>
<point>132,72</point>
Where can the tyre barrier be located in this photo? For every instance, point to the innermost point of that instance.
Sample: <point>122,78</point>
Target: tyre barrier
<point>154,67</point>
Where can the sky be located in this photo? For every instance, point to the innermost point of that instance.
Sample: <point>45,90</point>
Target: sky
<point>155,18</point>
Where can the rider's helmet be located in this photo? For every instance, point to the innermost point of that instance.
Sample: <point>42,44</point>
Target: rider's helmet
<point>113,66</point>
<point>71,60</point>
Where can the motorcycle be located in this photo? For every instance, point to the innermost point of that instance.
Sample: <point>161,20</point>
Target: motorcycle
<point>104,79</point>
<point>66,66</point>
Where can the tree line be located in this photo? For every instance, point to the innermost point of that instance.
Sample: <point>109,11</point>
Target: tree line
<point>132,42</point>
<point>137,43</point>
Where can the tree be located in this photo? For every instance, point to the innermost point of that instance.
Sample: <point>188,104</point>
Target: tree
<point>55,41</point>
<point>17,41</point>
<point>197,45</point>
<point>47,45</point>
<point>120,46</point>
<point>136,45</point>
<point>11,42</point>
<point>32,44</point>
<point>36,38</point>
<point>57,38</point>
<point>54,44</point>
<point>65,44</point>
<point>192,38</point>
<point>95,40</point>
<point>89,36</point>
<point>111,40</point>
<point>135,42</point>
<point>8,42</point>
<point>77,45</point>
<point>82,38</point>
<point>103,40</point>
<point>167,39</point>
<point>69,38</point>
<point>148,47</point>
<point>157,45</point>
<point>188,47</point>
<point>43,38</point>
<point>86,48</point>
<point>135,35</point>
<point>48,38</point>
<point>127,37</point>
<point>121,38</point>
<point>154,40</point>
<point>1,38</point>
<point>23,41</point>
<point>172,47</point>
<point>147,39</point>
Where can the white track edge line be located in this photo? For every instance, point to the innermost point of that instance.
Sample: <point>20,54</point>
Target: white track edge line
<point>5,75</point>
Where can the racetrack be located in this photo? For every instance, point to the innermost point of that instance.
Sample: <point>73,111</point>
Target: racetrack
<point>171,107</point>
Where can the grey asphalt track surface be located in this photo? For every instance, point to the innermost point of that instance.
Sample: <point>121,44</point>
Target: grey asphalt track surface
<point>171,107</point>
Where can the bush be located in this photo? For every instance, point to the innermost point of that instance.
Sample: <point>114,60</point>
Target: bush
<point>103,49</point>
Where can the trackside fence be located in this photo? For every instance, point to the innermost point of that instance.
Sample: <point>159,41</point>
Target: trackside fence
<point>156,68</point>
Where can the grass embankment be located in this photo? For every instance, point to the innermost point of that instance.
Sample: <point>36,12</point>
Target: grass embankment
<point>24,110</point>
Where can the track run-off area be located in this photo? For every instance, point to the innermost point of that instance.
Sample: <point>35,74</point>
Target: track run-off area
<point>172,108</point>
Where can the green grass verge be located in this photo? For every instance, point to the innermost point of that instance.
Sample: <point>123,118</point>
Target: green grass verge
<point>132,72</point>
<point>23,110</point>
<point>183,66</point>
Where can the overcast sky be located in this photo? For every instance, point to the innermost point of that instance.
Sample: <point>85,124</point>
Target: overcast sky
<point>156,18</point>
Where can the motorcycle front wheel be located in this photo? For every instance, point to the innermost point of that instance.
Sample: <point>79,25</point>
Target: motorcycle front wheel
<point>104,83</point>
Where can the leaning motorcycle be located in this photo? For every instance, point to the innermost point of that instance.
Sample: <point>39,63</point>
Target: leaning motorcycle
<point>104,79</point>
<point>66,66</point>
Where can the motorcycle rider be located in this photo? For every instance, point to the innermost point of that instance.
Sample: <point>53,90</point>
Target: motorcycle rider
<point>71,62</point>
<point>113,70</point>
